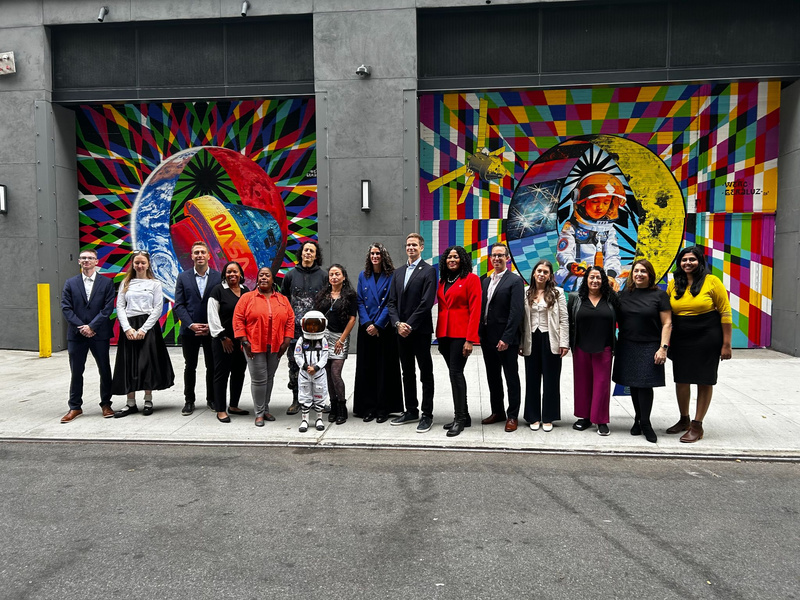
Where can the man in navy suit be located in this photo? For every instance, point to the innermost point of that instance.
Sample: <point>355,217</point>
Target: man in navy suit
<point>87,302</point>
<point>411,297</point>
<point>503,305</point>
<point>191,299</point>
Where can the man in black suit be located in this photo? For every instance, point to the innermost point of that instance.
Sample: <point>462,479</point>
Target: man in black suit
<point>191,299</point>
<point>87,302</point>
<point>503,305</point>
<point>411,297</point>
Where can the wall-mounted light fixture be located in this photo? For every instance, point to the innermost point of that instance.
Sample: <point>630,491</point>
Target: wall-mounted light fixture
<point>365,183</point>
<point>102,14</point>
<point>363,71</point>
<point>245,6</point>
<point>3,201</point>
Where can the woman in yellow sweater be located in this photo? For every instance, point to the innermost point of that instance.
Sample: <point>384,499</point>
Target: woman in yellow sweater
<point>701,336</point>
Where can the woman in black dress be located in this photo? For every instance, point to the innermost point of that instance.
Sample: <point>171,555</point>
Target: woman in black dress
<point>645,322</point>
<point>229,360</point>
<point>337,301</point>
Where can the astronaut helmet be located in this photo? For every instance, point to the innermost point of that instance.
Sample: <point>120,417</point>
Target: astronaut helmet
<point>313,324</point>
<point>598,196</point>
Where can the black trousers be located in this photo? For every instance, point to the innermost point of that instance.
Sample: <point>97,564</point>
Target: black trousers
<point>191,352</point>
<point>78,350</point>
<point>227,366</point>
<point>417,346</point>
<point>452,350</point>
<point>542,370</point>
<point>499,364</point>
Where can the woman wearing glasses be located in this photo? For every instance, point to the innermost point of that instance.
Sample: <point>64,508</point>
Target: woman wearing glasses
<point>142,362</point>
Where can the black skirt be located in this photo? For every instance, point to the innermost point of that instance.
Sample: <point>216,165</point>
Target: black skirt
<point>377,389</point>
<point>142,364</point>
<point>634,364</point>
<point>695,348</point>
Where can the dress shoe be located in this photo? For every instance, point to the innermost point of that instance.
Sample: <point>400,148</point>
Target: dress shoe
<point>294,408</point>
<point>268,417</point>
<point>225,419</point>
<point>649,434</point>
<point>425,424</point>
<point>535,426</point>
<point>682,425</point>
<point>259,421</point>
<point>406,417</point>
<point>511,425</point>
<point>493,418</point>
<point>547,427</point>
<point>582,424</point>
<point>637,428</point>
<point>188,409</point>
<point>235,410</point>
<point>368,418</point>
<point>148,409</point>
<point>602,429</point>
<point>108,412</point>
<point>467,423</point>
<point>125,411</point>
<point>694,434</point>
<point>381,418</point>
<point>74,414</point>
<point>456,427</point>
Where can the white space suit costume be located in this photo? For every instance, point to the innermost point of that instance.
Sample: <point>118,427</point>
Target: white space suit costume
<point>311,350</point>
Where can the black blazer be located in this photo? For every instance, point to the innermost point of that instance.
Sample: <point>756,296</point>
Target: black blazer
<point>95,312</point>
<point>413,304</point>
<point>505,312</point>
<point>189,307</point>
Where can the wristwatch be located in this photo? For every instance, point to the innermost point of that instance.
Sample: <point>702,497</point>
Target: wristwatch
<point>665,346</point>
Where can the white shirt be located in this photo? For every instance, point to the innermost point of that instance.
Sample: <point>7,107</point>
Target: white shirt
<point>496,277</point>
<point>539,316</point>
<point>410,271</point>
<point>88,283</point>
<point>143,297</point>
<point>201,280</point>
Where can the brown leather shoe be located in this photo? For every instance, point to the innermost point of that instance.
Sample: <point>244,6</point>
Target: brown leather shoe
<point>681,425</point>
<point>511,425</point>
<point>108,413</point>
<point>493,418</point>
<point>694,434</point>
<point>71,416</point>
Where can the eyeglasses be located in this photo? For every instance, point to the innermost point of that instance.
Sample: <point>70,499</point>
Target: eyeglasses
<point>498,255</point>
<point>87,258</point>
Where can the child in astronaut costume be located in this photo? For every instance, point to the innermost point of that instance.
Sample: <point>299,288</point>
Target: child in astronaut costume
<point>311,355</point>
<point>588,237</point>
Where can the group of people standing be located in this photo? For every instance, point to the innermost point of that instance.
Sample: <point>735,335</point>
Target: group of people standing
<point>635,329</point>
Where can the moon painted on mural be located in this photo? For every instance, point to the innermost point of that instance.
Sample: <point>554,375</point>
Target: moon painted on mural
<point>595,199</point>
<point>215,195</point>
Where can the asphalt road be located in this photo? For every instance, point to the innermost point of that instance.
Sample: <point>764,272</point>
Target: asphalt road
<point>89,521</point>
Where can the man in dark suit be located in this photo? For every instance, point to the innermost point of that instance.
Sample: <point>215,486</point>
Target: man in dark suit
<point>503,306</point>
<point>411,297</point>
<point>87,302</point>
<point>191,299</point>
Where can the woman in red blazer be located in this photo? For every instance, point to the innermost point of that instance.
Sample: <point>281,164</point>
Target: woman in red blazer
<point>459,297</point>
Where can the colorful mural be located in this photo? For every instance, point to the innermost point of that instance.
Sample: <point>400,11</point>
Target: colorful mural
<point>239,175</point>
<point>609,174</point>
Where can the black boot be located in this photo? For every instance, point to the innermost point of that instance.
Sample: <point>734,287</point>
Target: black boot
<point>456,428</point>
<point>334,412</point>
<point>341,413</point>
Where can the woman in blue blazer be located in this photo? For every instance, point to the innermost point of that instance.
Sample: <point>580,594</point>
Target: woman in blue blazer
<point>378,391</point>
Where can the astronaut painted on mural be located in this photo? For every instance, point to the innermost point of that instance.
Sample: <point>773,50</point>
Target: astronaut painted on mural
<point>588,238</point>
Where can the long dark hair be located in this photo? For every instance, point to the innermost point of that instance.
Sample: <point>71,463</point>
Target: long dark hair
<point>465,264</point>
<point>387,266</point>
<point>606,292</point>
<point>323,302</point>
<point>317,260</point>
<point>630,285</point>
<point>549,286</point>
<point>699,275</point>
<point>241,271</point>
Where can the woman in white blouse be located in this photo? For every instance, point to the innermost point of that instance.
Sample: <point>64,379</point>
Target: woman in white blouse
<point>142,362</point>
<point>545,342</point>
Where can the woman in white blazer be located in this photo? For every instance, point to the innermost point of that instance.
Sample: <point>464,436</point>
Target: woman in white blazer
<point>545,341</point>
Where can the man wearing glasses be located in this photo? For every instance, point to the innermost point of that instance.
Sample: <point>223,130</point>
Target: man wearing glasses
<point>87,302</point>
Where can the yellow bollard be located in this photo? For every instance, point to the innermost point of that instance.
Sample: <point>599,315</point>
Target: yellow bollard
<point>45,339</point>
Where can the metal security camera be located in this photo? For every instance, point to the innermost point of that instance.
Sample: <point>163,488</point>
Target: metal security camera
<point>103,12</point>
<point>363,71</point>
<point>245,6</point>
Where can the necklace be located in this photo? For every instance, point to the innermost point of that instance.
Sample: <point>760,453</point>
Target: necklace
<point>453,280</point>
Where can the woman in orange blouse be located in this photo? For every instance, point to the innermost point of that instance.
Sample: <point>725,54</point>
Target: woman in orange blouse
<point>701,336</point>
<point>264,323</point>
<point>459,297</point>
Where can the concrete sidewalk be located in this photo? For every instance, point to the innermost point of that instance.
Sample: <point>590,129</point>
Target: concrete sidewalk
<point>755,413</point>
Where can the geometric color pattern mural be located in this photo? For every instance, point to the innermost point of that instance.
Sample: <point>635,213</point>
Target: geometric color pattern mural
<point>697,161</point>
<point>241,176</point>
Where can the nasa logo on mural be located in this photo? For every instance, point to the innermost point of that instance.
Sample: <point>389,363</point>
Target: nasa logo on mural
<point>596,200</point>
<point>215,195</point>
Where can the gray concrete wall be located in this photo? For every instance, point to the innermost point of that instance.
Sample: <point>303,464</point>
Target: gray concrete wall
<point>786,278</point>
